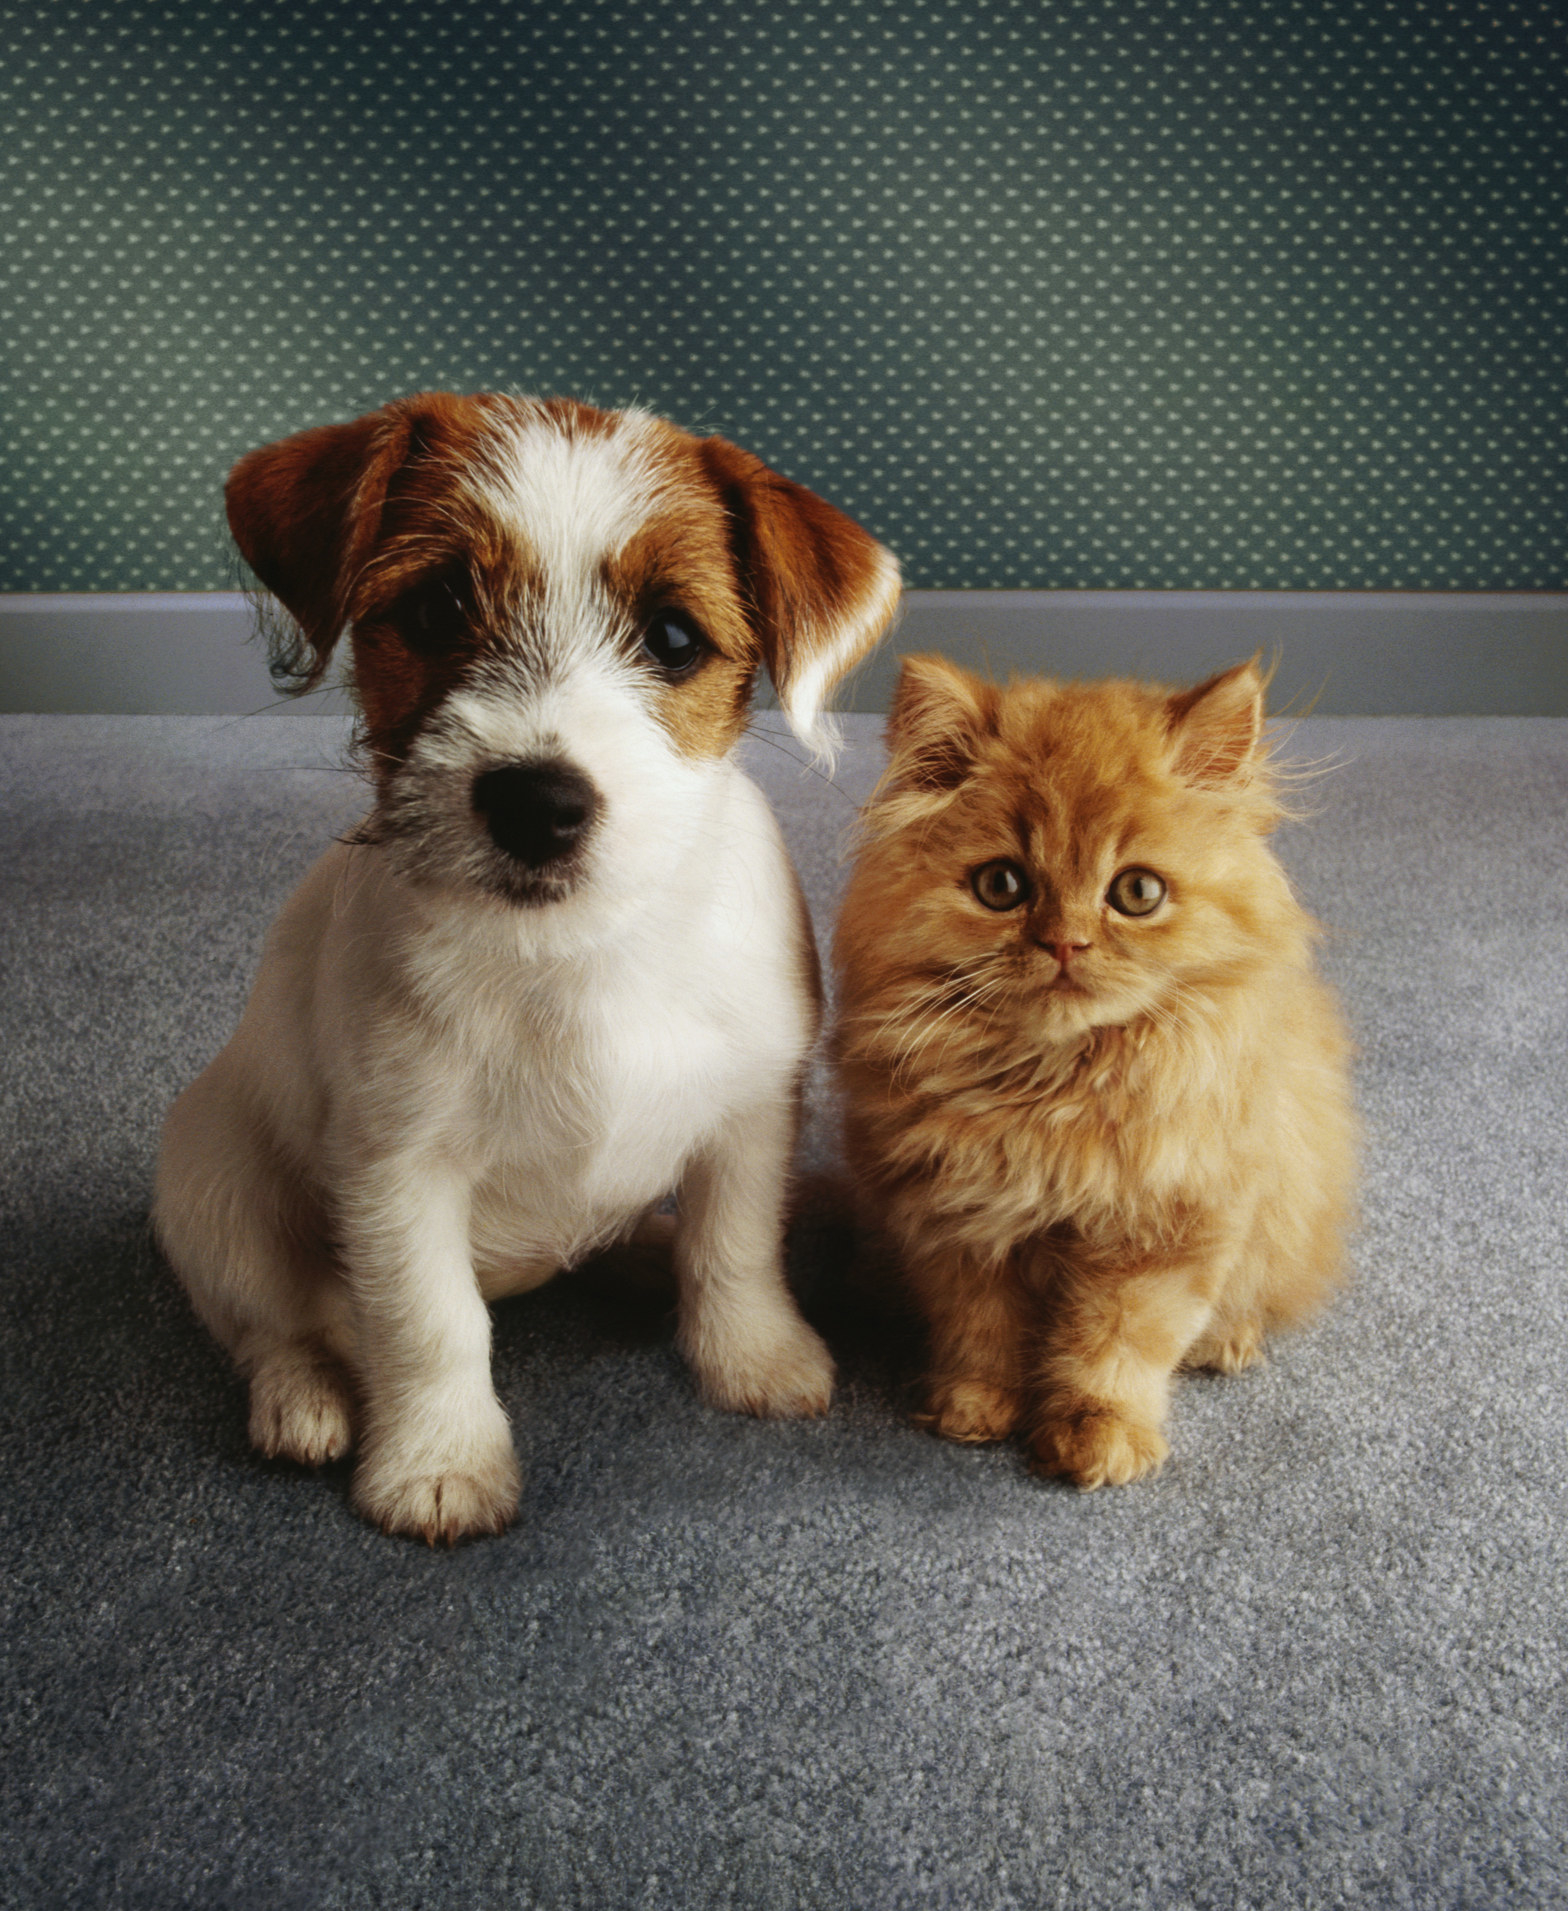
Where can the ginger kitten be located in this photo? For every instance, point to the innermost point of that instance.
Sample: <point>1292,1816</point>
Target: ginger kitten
<point>1095,1093</point>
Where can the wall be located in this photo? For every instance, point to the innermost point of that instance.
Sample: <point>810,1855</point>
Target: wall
<point>1245,295</point>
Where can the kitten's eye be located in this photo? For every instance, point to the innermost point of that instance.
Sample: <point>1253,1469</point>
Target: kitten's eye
<point>673,641</point>
<point>1136,892</point>
<point>1000,885</point>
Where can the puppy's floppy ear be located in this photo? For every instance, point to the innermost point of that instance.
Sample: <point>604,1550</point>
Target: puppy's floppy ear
<point>819,590</point>
<point>1217,727</point>
<point>306,513</point>
<point>940,712</point>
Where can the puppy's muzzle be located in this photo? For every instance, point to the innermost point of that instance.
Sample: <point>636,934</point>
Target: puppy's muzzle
<point>538,813</point>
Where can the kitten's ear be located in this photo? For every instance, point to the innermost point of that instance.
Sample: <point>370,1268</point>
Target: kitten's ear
<point>1217,726</point>
<point>820,591</point>
<point>939,714</point>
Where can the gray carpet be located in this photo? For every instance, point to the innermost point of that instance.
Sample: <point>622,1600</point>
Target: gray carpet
<point>1319,1661</point>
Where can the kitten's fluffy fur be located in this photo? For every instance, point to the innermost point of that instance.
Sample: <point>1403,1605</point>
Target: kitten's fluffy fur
<point>1104,1145</point>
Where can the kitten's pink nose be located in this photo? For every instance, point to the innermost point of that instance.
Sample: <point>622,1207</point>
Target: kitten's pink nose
<point>1065,951</point>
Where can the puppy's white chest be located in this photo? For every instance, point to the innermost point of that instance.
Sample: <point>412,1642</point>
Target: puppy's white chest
<point>595,1113</point>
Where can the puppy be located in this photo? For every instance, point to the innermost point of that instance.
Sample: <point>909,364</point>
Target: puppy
<point>562,970</point>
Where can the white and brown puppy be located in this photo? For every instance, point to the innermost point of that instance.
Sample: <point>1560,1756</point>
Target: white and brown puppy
<point>564,968</point>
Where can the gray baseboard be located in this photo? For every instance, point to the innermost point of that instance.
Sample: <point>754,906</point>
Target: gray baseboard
<point>1346,653</point>
<point>1340,653</point>
<point>143,653</point>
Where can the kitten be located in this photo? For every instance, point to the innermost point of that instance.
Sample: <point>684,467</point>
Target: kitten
<point>1095,1093</point>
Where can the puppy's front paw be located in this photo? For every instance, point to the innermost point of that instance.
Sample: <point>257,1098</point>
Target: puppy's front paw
<point>1094,1446</point>
<point>783,1373</point>
<point>461,1494</point>
<point>300,1409</point>
<point>971,1410</point>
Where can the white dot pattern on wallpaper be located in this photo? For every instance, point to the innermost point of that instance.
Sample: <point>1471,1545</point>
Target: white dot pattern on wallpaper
<point>1101,293</point>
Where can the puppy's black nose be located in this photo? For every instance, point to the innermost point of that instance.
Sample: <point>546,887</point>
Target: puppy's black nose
<point>536,812</point>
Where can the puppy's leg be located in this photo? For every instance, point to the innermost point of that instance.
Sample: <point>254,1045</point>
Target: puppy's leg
<point>437,1459</point>
<point>740,1329</point>
<point>247,1250</point>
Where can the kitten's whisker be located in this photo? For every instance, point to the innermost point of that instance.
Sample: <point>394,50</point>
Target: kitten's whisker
<point>955,1019</point>
<point>916,1023</point>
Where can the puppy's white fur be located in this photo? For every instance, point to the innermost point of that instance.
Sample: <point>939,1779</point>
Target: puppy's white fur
<point>439,1095</point>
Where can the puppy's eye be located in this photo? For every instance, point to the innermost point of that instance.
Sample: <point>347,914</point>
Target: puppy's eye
<point>674,642</point>
<point>1000,885</point>
<point>1136,892</point>
<point>435,615</point>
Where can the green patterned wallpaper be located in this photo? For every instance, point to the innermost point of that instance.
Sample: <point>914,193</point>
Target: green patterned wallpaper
<point>1049,293</point>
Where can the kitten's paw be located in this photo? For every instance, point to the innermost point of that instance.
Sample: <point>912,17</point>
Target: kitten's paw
<point>1230,1353</point>
<point>471,1492</point>
<point>782,1373</point>
<point>300,1409</point>
<point>969,1410</point>
<point>1095,1446</point>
